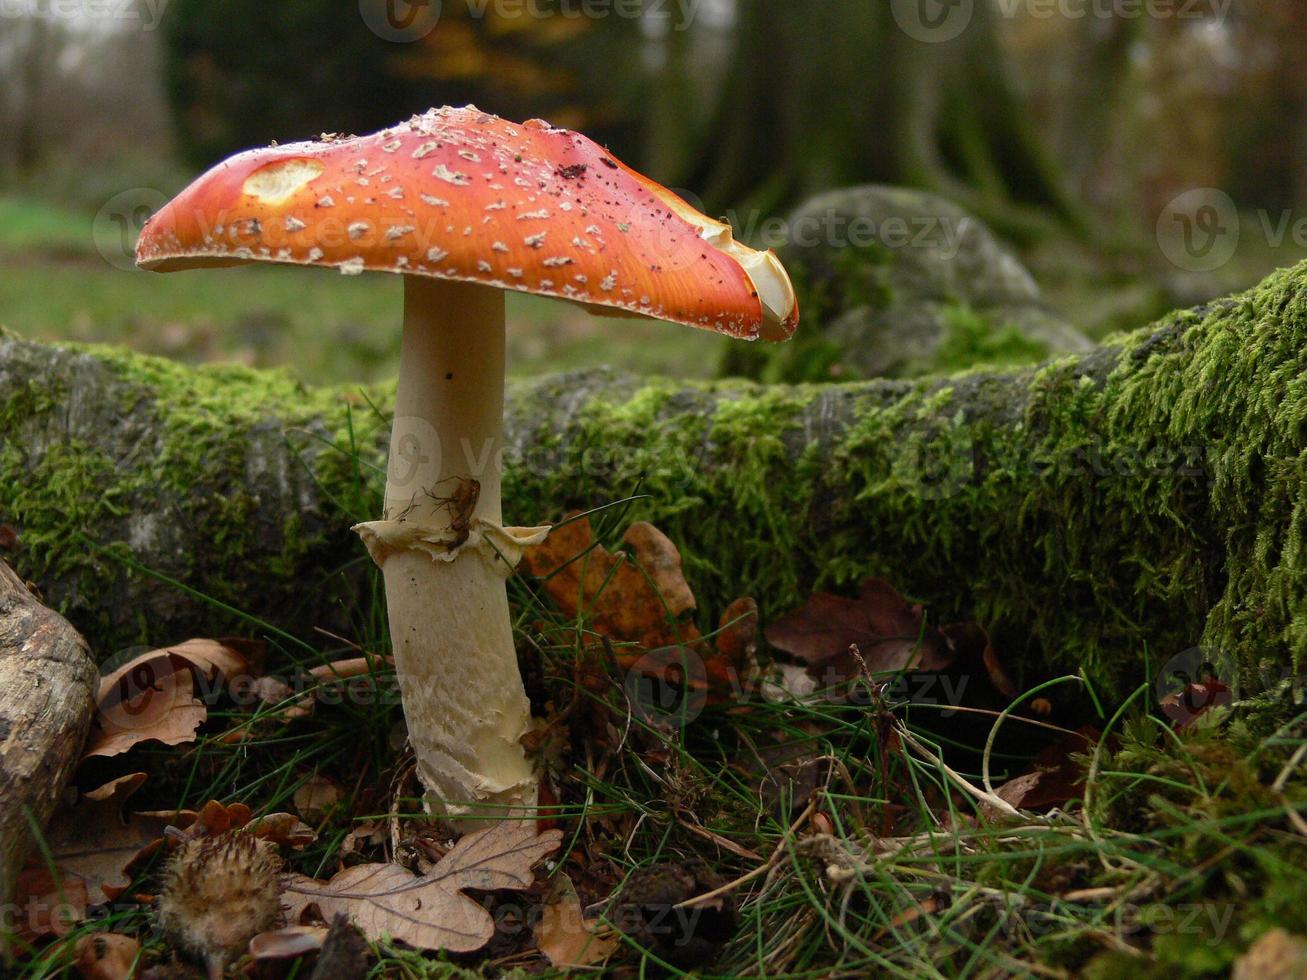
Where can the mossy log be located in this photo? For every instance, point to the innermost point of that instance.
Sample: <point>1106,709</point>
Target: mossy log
<point>1128,503</point>
<point>47,698</point>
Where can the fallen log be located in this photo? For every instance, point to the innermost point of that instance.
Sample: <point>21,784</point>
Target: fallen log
<point>48,683</point>
<point>1135,501</point>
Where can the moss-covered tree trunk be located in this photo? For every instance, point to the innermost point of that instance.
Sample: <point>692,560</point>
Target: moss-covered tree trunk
<point>1133,502</point>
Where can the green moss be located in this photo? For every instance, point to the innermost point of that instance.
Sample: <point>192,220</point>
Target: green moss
<point>170,439</point>
<point>973,340</point>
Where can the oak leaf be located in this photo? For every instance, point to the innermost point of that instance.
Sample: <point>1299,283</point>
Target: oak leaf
<point>430,911</point>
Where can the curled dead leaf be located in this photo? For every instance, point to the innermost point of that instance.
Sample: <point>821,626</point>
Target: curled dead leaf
<point>287,943</point>
<point>152,697</point>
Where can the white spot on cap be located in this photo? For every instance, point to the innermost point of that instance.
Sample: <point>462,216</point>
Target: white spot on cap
<point>435,202</point>
<point>499,247</point>
<point>541,215</point>
<point>435,254</point>
<point>426,149</point>
<point>392,146</point>
<point>358,229</point>
<point>469,156</point>
<point>536,241</point>
<point>610,282</point>
<point>451,176</point>
<point>561,260</point>
<point>396,232</point>
<point>278,181</point>
<point>351,267</point>
<point>485,266</point>
<point>294,224</point>
<point>326,201</point>
<point>515,273</point>
<point>315,254</point>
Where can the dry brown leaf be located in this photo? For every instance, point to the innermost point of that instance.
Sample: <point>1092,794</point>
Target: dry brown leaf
<point>92,840</point>
<point>283,944</point>
<point>52,904</point>
<point>151,698</point>
<point>106,956</point>
<point>890,634</point>
<point>431,911</point>
<point>315,797</point>
<point>637,598</point>
<point>565,935</point>
<point>1057,776</point>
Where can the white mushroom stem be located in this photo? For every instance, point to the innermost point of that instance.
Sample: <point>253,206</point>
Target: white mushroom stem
<point>445,556</point>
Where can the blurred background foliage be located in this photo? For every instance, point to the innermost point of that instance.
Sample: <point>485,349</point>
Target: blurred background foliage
<point>1068,134</point>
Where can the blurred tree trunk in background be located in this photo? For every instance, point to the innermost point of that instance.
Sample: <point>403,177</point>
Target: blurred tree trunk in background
<point>27,46</point>
<point>837,93</point>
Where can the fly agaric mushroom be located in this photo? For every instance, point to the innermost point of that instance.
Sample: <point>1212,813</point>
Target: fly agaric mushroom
<point>466,205</point>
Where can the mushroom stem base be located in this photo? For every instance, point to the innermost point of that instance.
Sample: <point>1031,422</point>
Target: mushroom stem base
<point>458,675</point>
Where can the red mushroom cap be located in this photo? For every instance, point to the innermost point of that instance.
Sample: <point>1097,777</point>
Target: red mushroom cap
<point>461,194</point>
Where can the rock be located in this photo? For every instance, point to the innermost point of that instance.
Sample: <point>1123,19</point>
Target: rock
<point>897,283</point>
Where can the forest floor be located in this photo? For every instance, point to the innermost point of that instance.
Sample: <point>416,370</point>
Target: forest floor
<point>867,823</point>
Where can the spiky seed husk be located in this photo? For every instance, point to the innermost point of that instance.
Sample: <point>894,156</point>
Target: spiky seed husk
<point>219,893</point>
